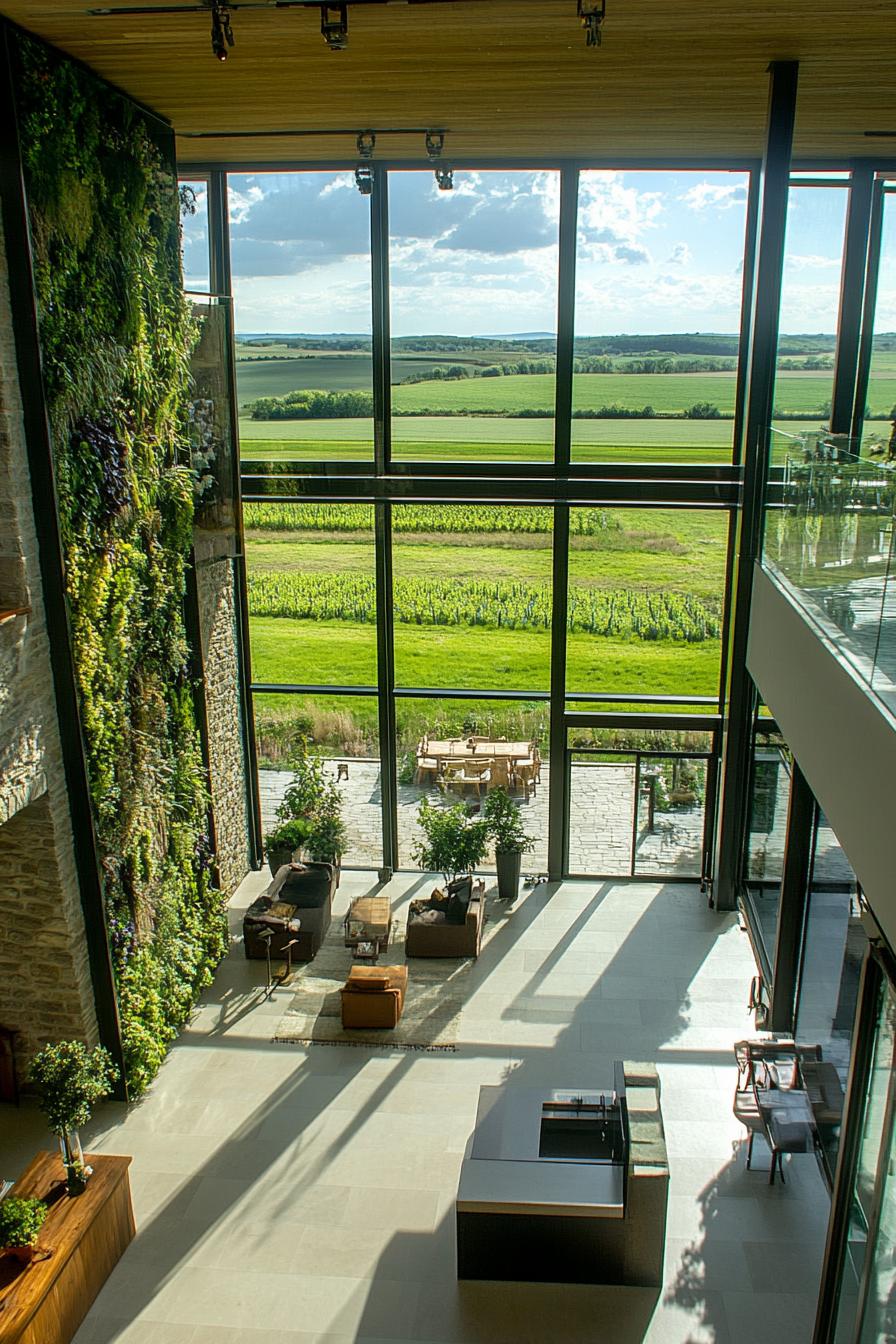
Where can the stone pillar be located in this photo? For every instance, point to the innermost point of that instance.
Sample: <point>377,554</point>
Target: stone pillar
<point>45,985</point>
<point>218,620</point>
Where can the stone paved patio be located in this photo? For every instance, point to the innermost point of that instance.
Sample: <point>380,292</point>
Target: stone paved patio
<point>601,805</point>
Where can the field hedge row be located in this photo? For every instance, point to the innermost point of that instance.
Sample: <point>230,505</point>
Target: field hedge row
<point>455,518</point>
<point>498,604</point>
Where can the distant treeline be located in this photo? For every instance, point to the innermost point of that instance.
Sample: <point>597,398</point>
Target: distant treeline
<point>318,405</point>
<point>607,364</point>
<point>671,343</point>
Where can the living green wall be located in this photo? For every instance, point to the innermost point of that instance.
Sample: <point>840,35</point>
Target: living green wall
<point>116,338</point>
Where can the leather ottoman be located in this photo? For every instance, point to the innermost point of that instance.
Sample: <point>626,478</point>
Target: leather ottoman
<point>373,996</point>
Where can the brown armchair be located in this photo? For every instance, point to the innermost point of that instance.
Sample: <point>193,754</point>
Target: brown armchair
<point>432,932</point>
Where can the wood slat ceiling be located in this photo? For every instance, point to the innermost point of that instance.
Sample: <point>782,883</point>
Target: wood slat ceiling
<point>508,79</point>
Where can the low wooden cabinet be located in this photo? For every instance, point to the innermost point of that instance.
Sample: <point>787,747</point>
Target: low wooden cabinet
<point>45,1302</point>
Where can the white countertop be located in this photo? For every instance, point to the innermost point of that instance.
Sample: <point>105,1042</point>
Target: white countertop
<point>502,1172</point>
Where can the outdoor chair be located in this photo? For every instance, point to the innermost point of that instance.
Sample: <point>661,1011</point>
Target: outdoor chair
<point>526,774</point>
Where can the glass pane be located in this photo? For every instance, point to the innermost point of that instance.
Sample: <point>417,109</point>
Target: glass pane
<point>834,944</point>
<point>646,591</point>
<point>194,234</point>
<point>342,730</point>
<point>472,589</point>
<point>473,281</point>
<point>810,307</point>
<point>453,751</point>
<point>312,593</point>
<point>211,432</point>
<point>660,254</point>
<point>671,800</point>
<point>601,813</point>
<point>767,832</point>
<point>880,409</point>
<point>300,255</point>
<point>878,1317</point>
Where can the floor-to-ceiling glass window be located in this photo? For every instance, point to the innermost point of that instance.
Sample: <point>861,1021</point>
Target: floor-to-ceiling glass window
<point>810,302</point>
<point>866,1306</point>
<point>880,401</point>
<point>659,289</point>
<point>473,287</point>
<point>300,257</point>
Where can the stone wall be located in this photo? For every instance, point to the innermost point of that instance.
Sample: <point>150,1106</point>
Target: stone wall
<point>45,984</point>
<point>218,620</point>
<point>42,949</point>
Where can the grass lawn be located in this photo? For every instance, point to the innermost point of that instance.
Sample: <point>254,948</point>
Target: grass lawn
<point>338,652</point>
<point>483,438</point>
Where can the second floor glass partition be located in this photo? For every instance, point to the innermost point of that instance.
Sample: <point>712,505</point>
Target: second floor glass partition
<point>300,256</point>
<point>829,537</point>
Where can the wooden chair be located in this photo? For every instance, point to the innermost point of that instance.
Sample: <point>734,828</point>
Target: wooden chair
<point>525,773</point>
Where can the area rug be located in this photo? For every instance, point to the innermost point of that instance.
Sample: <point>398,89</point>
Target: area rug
<point>436,994</point>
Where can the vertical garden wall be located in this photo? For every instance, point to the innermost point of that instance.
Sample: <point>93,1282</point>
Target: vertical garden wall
<point>116,339</point>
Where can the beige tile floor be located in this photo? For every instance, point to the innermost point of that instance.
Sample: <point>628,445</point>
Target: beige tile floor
<point>306,1193</point>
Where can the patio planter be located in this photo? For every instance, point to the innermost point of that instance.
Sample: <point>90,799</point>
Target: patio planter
<point>509,863</point>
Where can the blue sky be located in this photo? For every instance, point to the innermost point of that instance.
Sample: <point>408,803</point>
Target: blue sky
<point>657,252</point>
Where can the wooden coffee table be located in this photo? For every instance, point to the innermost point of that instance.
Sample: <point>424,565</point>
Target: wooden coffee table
<point>369,921</point>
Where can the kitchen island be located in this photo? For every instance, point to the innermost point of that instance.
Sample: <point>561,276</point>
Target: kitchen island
<point>568,1185</point>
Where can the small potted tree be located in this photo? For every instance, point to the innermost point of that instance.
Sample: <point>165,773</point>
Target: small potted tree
<point>313,798</point>
<point>20,1223</point>
<point>505,828</point>
<point>70,1080</point>
<point>281,843</point>
<point>453,843</point>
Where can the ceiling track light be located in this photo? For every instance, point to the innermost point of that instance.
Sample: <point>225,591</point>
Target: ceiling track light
<point>222,33</point>
<point>366,143</point>
<point>334,26</point>
<point>591,16</point>
<point>435,143</point>
<point>364,179</point>
<point>444,177</point>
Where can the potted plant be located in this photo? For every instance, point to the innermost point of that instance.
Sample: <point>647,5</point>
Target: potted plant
<point>20,1223</point>
<point>313,798</point>
<point>453,844</point>
<point>511,840</point>
<point>281,843</point>
<point>326,839</point>
<point>70,1079</point>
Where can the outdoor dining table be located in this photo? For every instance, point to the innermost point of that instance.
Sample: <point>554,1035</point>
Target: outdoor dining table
<point>458,749</point>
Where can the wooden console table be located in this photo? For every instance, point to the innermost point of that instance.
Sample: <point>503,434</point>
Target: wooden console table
<point>45,1302</point>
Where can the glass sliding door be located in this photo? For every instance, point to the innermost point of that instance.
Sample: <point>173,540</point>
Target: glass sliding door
<point>866,1307</point>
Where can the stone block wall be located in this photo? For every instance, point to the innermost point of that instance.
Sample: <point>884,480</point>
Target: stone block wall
<point>45,983</point>
<point>43,980</point>
<point>218,621</point>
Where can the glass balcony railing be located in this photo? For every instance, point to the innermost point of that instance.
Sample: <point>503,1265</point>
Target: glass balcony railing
<point>829,539</point>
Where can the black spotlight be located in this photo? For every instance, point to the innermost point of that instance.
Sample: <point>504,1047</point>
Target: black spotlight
<point>435,143</point>
<point>444,178</point>
<point>222,33</point>
<point>364,179</point>
<point>334,26</point>
<point>591,16</point>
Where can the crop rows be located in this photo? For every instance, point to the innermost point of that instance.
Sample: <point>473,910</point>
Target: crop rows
<point>497,604</point>
<point>455,518</point>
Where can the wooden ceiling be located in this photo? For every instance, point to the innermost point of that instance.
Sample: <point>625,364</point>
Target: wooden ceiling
<point>507,78</point>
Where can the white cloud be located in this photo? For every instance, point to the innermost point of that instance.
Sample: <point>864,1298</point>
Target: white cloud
<point>680,255</point>
<point>721,196</point>
<point>811,262</point>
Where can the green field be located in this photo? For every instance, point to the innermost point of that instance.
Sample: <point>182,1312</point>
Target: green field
<point>661,552</point>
